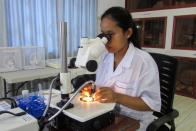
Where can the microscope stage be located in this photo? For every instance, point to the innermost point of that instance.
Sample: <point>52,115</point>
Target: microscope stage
<point>84,111</point>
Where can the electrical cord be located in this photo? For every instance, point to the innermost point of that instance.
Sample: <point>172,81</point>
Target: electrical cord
<point>13,102</point>
<point>15,114</point>
<point>13,105</point>
<point>49,97</point>
<point>20,86</point>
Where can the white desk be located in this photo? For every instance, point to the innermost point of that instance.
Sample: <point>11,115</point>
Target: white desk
<point>82,111</point>
<point>27,75</point>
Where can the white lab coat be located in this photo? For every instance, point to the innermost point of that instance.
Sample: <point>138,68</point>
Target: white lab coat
<point>136,75</point>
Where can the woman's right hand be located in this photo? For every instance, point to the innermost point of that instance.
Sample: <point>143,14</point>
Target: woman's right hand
<point>105,95</point>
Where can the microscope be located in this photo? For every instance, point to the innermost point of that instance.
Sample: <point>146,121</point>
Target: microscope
<point>90,50</point>
<point>84,114</point>
<point>87,57</point>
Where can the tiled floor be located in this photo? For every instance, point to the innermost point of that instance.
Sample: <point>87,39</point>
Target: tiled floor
<point>187,109</point>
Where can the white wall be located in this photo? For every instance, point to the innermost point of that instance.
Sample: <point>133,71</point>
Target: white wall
<point>104,5</point>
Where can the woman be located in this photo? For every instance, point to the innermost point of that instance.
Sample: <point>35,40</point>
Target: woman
<point>127,75</point>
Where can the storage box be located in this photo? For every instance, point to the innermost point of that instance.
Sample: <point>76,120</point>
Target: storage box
<point>33,57</point>
<point>10,59</point>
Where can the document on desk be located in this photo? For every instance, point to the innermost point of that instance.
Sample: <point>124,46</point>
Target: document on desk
<point>4,106</point>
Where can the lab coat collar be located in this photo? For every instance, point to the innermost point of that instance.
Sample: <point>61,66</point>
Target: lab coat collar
<point>125,62</point>
<point>127,59</point>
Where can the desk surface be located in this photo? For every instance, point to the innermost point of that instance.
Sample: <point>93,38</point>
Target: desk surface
<point>28,75</point>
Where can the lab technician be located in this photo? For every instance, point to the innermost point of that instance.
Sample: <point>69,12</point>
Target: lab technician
<point>126,74</point>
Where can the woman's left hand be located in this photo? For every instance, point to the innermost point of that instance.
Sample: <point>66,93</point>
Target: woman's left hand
<point>105,95</point>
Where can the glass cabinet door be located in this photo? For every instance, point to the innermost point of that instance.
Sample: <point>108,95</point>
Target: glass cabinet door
<point>151,31</point>
<point>144,4</point>
<point>184,33</point>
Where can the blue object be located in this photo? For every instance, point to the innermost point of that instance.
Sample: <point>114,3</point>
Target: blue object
<point>33,105</point>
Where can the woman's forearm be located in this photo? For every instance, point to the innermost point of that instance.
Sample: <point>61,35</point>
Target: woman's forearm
<point>135,103</point>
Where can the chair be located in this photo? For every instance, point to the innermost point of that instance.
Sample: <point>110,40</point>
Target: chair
<point>167,66</point>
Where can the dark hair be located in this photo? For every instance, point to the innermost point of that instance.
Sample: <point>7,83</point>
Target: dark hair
<point>124,20</point>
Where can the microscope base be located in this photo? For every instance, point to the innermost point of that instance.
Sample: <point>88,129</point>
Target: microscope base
<point>62,103</point>
<point>95,124</point>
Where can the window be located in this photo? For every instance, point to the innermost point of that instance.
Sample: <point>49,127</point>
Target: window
<point>36,23</point>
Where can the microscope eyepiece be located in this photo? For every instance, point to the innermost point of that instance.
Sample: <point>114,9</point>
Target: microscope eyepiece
<point>107,36</point>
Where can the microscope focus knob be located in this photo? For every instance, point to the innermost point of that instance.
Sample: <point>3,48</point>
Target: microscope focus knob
<point>91,65</point>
